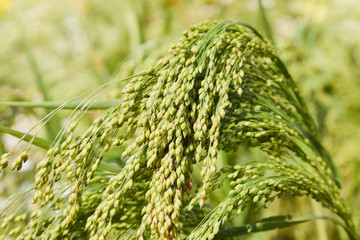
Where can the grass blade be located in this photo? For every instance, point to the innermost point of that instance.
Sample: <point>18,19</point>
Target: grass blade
<point>271,223</point>
<point>55,124</point>
<point>40,142</point>
<point>267,26</point>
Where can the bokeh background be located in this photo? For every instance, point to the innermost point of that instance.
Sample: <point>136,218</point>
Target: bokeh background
<point>54,50</point>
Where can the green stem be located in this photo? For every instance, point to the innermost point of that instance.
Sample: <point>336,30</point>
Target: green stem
<point>2,147</point>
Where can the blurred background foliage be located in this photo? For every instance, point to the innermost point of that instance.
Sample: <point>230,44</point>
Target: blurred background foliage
<point>55,50</point>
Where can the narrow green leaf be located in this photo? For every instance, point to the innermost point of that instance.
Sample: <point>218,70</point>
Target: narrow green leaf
<point>54,125</point>
<point>2,147</point>
<point>34,66</point>
<point>271,223</point>
<point>40,142</point>
<point>267,26</point>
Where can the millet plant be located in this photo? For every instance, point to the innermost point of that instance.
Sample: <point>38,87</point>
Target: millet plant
<point>220,87</point>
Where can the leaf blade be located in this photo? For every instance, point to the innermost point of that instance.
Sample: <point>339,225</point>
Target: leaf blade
<point>271,223</point>
<point>37,141</point>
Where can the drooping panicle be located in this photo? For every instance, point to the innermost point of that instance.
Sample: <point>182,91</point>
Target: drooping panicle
<point>221,86</point>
